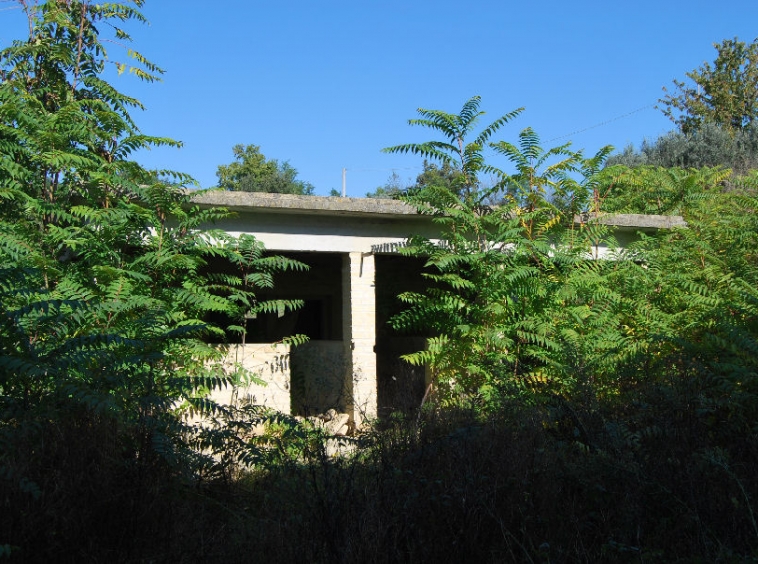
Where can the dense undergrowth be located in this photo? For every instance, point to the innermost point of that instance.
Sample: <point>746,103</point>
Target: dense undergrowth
<point>658,477</point>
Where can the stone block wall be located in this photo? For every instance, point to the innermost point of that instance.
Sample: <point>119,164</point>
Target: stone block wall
<point>359,331</point>
<point>318,378</point>
<point>270,363</point>
<point>322,374</point>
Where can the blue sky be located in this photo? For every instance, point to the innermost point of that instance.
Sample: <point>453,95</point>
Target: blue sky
<point>326,85</point>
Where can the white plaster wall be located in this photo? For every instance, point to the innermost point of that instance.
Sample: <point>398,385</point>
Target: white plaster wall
<point>270,363</point>
<point>345,234</point>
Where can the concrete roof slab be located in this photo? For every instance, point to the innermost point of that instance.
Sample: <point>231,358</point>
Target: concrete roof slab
<point>375,207</point>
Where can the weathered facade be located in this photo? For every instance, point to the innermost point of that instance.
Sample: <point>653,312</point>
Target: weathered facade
<point>350,362</point>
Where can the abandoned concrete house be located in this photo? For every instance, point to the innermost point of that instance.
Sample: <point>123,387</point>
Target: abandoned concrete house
<point>351,362</point>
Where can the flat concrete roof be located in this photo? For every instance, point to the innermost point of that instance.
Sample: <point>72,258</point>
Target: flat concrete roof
<point>368,207</point>
<point>633,221</point>
<point>290,203</point>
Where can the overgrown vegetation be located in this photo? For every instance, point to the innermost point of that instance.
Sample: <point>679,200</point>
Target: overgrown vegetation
<point>502,276</point>
<point>625,360</point>
<point>709,146</point>
<point>586,408</point>
<point>103,291</point>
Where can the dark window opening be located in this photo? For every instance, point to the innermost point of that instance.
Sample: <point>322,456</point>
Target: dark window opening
<point>320,290</point>
<point>312,320</point>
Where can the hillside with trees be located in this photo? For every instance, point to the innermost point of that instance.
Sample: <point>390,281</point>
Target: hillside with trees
<point>714,110</point>
<point>580,410</point>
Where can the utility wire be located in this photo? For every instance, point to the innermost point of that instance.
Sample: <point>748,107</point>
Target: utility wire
<point>576,132</point>
<point>606,122</point>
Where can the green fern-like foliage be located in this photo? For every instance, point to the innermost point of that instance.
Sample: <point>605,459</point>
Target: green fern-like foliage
<point>105,286</point>
<point>499,276</point>
<point>520,305</point>
<point>457,150</point>
<point>656,190</point>
<point>674,310</point>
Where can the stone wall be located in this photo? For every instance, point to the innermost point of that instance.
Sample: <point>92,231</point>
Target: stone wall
<point>359,332</point>
<point>318,378</point>
<point>271,364</point>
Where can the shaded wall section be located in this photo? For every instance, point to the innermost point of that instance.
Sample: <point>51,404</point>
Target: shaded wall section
<point>266,362</point>
<point>400,385</point>
<point>320,287</point>
<point>318,372</point>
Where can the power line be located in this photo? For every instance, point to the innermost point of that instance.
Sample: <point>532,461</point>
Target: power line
<point>606,122</point>
<point>576,132</point>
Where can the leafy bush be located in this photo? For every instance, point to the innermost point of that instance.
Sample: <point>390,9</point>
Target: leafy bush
<point>710,145</point>
<point>104,289</point>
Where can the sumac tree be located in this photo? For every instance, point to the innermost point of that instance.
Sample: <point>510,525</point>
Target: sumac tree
<point>496,277</point>
<point>103,287</point>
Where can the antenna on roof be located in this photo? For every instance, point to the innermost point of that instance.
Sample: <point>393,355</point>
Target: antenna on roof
<point>344,183</point>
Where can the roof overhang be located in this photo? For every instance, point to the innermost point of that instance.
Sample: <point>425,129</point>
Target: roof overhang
<point>376,208</point>
<point>311,205</point>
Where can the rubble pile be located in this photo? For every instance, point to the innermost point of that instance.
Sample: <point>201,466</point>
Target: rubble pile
<point>332,422</point>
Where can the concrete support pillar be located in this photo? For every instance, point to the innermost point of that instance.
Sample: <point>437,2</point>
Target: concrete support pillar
<point>359,332</point>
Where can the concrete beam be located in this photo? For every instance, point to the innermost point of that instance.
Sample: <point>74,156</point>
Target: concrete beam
<point>633,221</point>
